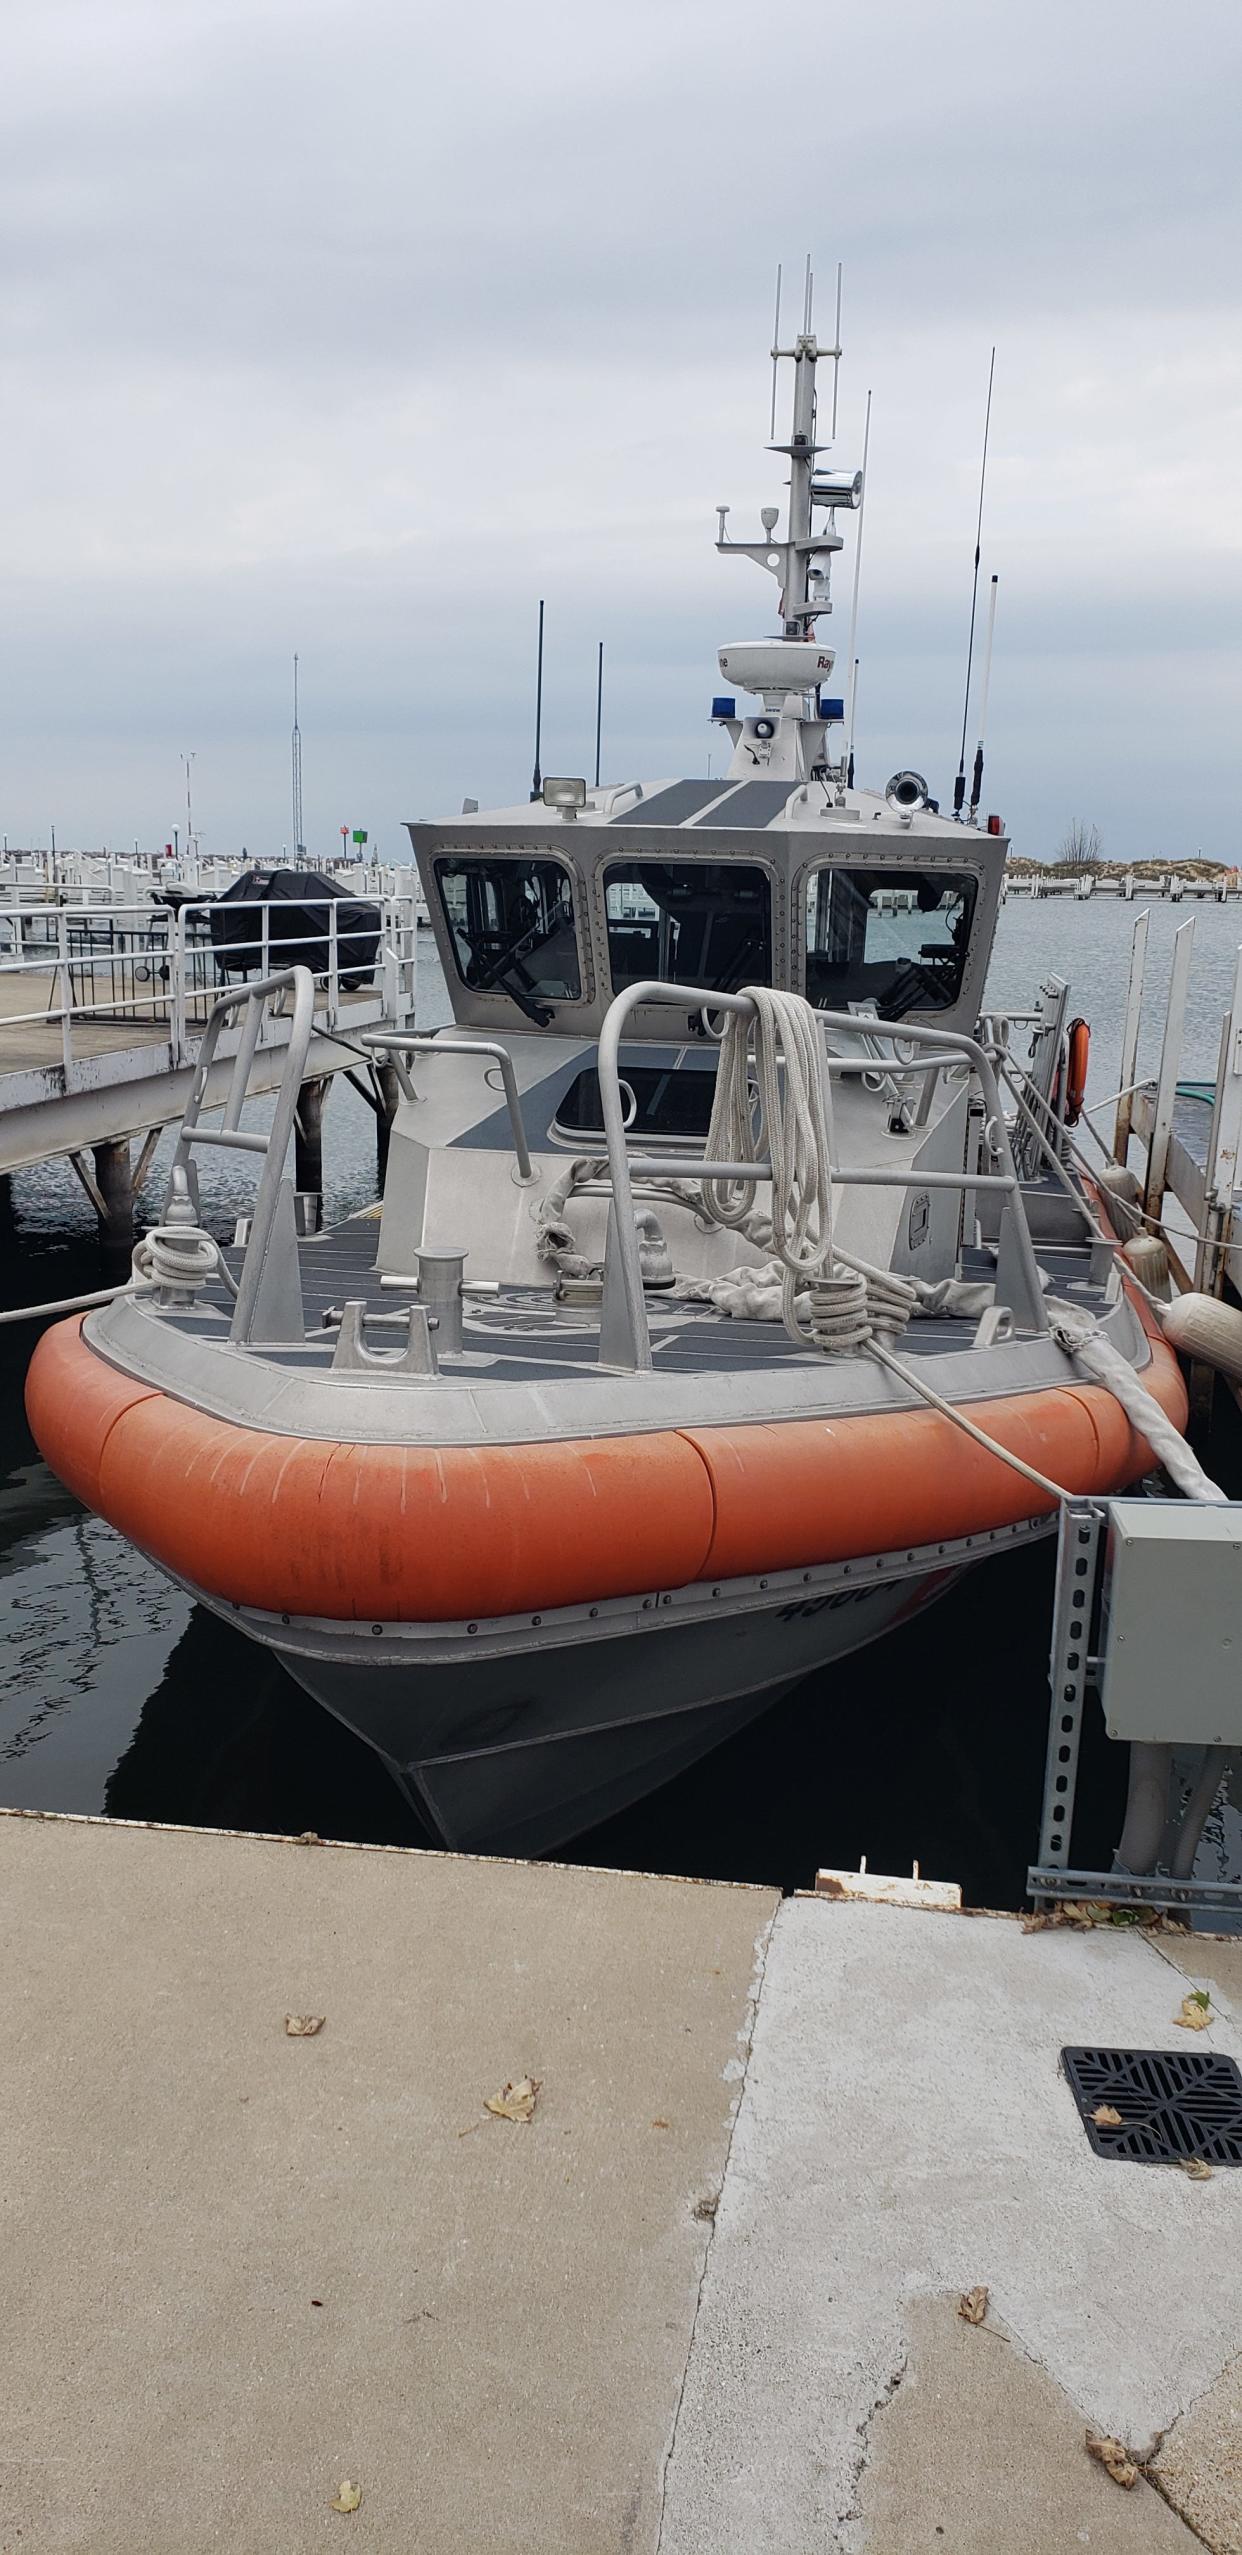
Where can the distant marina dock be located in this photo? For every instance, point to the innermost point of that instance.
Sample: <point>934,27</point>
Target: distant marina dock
<point>1224,887</point>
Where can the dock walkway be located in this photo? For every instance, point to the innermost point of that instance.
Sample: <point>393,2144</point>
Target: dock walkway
<point>704,2302</point>
<point>103,1011</point>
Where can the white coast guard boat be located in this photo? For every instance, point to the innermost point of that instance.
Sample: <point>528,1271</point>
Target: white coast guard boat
<point>703,1332</point>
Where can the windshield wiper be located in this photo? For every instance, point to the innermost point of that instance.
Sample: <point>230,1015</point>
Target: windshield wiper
<point>505,970</point>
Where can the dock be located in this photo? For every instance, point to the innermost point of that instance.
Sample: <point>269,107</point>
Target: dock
<point>105,993</point>
<point>703,2301</point>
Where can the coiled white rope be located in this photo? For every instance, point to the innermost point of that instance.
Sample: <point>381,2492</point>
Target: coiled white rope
<point>181,1255</point>
<point>795,1129</point>
<point>169,1255</point>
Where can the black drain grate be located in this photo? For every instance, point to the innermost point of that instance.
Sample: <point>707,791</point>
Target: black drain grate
<point>1174,2103</point>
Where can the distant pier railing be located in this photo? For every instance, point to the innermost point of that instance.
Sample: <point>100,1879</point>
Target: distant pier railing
<point>82,982</point>
<point>1171,886</point>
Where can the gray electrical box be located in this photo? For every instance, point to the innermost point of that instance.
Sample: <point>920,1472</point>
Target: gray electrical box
<point>1171,1625</point>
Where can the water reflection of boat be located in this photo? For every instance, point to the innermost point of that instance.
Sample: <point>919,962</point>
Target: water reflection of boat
<point>31,1498</point>
<point>222,1741</point>
<point>548,1481</point>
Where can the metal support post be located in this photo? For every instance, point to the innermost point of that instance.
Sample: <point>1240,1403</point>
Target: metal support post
<point>115,1185</point>
<point>1224,1147</point>
<point>1130,1036</point>
<point>308,1135</point>
<point>1170,1059</point>
<point>388,1085</point>
<point>64,995</point>
<point>1068,1666</point>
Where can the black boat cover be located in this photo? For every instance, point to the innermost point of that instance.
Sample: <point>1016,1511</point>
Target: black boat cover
<point>298,926</point>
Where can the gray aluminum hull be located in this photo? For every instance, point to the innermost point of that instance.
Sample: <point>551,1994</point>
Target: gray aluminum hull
<point>523,1749</point>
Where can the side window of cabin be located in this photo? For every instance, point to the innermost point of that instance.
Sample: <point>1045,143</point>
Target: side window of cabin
<point>689,923</point>
<point>666,1101</point>
<point>895,938</point>
<point>512,927</point>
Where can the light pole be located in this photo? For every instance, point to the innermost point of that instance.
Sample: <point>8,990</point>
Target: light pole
<point>187,760</point>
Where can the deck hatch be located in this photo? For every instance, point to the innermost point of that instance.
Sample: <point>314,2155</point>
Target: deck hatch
<point>1174,2103</point>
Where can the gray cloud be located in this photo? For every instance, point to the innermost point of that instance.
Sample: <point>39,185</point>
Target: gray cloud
<point>357,327</point>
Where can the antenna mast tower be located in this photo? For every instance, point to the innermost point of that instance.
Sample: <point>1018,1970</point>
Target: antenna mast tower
<point>299,847</point>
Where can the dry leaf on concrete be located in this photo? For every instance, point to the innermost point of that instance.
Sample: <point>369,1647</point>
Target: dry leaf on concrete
<point>1114,2457</point>
<point>1196,2011</point>
<point>1106,2116</point>
<point>346,2497</point>
<point>515,2102</point>
<point>1195,2169</point>
<point>972,2306</point>
<point>303,2026</point>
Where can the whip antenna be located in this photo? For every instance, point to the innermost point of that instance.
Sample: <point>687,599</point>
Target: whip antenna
<point>854,601</point>
<point>959,786</point>
<point>976,786</point>
<point>536,786</point>
<point>599,708</point>
<point>776,340</point>
<point>836,353</point>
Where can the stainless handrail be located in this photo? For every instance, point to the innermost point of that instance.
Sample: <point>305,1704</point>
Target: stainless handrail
<point>624,1323</point>
<point>408,1042</point>
<point>275,1145</point>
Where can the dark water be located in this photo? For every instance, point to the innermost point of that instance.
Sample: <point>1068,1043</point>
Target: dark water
<point>117,1694</point>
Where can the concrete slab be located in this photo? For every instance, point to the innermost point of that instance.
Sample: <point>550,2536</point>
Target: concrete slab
<point>237,2267</point>
<point>1200,2465</point>
<point>1208,1960</point>
<point>905,2132</point>
<point>977,2450</point>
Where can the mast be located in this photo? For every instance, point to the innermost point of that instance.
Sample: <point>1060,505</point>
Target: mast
<point>801,562</point>
<point>788,737</point>
<point>801,450</point>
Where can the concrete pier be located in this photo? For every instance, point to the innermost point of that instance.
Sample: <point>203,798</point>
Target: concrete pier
<point>704,2302</point>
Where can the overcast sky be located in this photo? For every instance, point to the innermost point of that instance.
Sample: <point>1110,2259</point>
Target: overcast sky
<point>354,326</point>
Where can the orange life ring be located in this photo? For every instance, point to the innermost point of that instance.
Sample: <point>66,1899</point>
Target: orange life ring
<point>1079,1057</point>
<point>420,1534</point>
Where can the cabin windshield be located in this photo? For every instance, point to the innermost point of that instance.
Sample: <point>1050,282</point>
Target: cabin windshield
<point>688,923</point>
<point>512,927</point>
<point>894,939</point>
